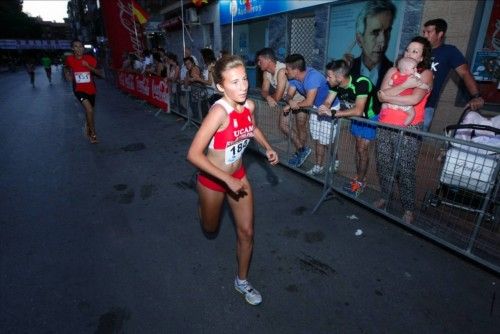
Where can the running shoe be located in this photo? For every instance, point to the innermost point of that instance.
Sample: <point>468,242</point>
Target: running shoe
<point>294,159</point>
<point>252,296</point>
<point>355,187</point>
<point>303,155</point>
<point>316,170</point>
<point>335,167</point>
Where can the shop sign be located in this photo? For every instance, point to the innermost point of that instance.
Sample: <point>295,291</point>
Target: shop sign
<point>250,9</point>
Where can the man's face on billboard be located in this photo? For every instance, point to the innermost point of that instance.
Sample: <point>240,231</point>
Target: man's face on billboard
<point>376,38</point>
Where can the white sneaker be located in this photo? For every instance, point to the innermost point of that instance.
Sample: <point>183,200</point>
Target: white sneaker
<point>316,170</point>
<point>336,165</point>
<point>252,296</point>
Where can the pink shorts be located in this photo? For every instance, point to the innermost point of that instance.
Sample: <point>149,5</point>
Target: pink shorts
<point>217,185</point>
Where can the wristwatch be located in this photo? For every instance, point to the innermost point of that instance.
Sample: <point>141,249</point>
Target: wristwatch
<point>475,96</point>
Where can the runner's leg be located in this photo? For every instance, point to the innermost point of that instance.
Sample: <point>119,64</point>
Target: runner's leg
<point>210,204</point>
<point>89,116</point>
<point>242,209</point>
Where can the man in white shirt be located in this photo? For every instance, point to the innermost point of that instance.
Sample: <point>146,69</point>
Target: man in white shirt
<point>274,81</point>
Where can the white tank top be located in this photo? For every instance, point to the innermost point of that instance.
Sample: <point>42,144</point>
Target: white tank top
<point>273,78</point>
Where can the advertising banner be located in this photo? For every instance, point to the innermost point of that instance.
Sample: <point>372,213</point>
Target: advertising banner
<point>370,39</point>
<point>124,33</point>
<point>152,89</point>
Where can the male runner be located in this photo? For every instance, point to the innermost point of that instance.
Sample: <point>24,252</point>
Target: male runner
<point>80,70</point>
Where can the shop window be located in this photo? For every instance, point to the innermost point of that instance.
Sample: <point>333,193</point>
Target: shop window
<point>486,55</point>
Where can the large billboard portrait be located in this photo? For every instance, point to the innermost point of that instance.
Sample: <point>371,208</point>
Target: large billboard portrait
<point>368,31</point>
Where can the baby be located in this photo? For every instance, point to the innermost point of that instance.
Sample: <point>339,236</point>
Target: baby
<point>406,68</point>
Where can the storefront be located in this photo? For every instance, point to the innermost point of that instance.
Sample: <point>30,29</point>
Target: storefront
<point>285,26</point>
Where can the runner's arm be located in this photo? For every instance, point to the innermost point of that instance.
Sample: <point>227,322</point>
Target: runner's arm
<point>196,154</point>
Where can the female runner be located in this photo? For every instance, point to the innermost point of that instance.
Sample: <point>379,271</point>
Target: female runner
<point>227,130</point>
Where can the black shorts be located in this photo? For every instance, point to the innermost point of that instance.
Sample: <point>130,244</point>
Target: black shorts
<point>84,96</point>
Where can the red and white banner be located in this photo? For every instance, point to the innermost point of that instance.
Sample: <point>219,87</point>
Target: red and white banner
<point>124,33</point>
<point>149,88</point>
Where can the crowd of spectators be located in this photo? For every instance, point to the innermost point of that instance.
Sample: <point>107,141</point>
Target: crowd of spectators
<point>187,73</point>
<point>370,87</point>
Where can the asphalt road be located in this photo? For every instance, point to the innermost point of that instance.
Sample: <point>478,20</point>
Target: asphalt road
<point>105,238</point>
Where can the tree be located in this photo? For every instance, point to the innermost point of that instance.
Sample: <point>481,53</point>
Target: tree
<point>16,24</point>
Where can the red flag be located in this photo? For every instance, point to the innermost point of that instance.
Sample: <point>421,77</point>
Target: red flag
<point>140,14</point>
<point>199,3</point>
<point>123,33</point>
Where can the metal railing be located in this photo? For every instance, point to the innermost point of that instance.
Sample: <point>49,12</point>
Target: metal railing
<point>456,195</point>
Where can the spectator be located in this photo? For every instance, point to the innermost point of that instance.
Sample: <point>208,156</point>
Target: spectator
<point>444,58</point>
<point>209,63</point>
<point>172,72</point>
<point>139,65</point>
<point>388,139</point>
<point>311,84</point>
<point>187,53</point>
<point>147,57</point>
<point>193,73</point>
<point>356,96</point>
<point>159,68</point>
<point>274,82</point>
<point>406,67</point>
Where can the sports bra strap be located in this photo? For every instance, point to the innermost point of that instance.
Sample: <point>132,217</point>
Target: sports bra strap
<point>227,106</point>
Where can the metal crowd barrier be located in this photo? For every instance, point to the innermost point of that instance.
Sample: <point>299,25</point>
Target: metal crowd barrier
<point>457,197</point>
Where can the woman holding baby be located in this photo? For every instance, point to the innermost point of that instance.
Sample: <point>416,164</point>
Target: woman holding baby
<point>403,168</point>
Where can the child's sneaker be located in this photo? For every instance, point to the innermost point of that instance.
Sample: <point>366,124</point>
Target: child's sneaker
<point>303,155</point>
<point>316,170</point>
<point>355,187</point>
<point>294,160</point>
<point>252,296</point>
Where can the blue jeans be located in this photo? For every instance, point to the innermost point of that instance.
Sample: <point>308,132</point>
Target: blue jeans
<point>429,114</point>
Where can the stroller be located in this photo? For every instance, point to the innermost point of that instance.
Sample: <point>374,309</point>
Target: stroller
<point>470,178</point>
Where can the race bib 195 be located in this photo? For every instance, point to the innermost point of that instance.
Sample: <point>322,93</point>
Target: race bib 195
<point>82,77</point>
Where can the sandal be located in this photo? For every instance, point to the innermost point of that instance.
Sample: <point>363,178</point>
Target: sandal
<point>408,217</point>
<point>93,139</point>
<point>380,203</point>
<point>86,132</point>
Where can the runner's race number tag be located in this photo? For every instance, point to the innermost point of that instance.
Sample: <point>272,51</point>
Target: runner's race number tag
<point>82,77</point>
<point>234,151</point>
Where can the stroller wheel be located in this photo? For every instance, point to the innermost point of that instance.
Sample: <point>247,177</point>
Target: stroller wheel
<point>435,202</point>
<point>432,200</point>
